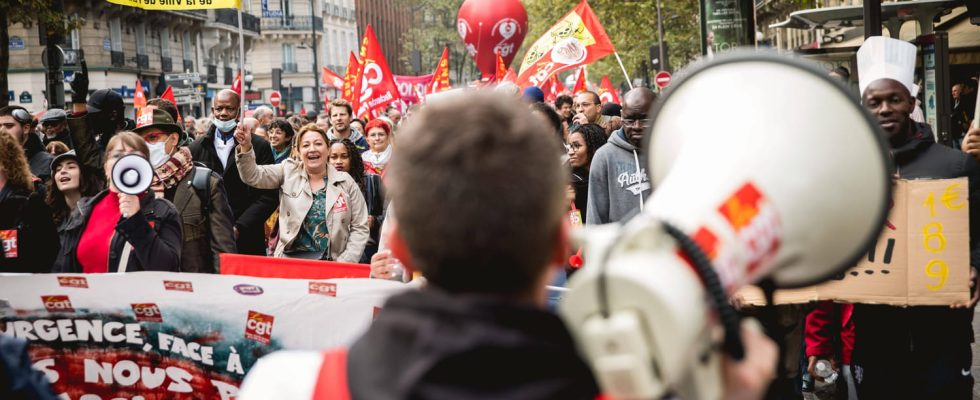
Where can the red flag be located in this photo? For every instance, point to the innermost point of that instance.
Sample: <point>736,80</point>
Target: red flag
<point>608,92</point>
<point>331,78</point>
<point>552,89</point>
<point>353,66</point>
<point>440,80</point>
<point>581,84</point>
<point>169,95</point>
<point>376,86</point>
<point>510,76</point>
<point>139,98</point>
<point>501,69</point>
<point>577,39</point>
<point>237,84</point>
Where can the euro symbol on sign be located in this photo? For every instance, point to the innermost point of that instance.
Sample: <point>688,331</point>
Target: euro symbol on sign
<point>950,196</point>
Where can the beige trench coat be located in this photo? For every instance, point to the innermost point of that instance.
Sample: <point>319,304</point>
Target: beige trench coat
<point>347,218</point>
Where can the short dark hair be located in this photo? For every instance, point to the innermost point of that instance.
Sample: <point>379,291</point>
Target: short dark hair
<point>553,118</point>
<point>285,126</point>
<point>562,100</point>
<point>598,101</point>
<point>465,154</point>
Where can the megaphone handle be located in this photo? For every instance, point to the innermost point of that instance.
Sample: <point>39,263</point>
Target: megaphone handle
<point>730,320</point>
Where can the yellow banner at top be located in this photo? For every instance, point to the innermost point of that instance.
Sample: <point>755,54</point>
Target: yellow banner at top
<point>178,5</point>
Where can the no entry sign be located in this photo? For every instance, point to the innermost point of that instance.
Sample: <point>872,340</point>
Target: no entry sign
<point>275,98</point>
<point>662,79</point>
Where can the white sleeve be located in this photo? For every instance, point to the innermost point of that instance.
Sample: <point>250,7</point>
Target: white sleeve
<point>283,375</point>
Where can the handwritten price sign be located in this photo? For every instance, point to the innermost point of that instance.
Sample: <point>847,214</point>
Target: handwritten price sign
<point>921,258</point>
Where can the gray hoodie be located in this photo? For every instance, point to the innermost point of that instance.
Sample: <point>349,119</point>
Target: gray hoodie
<point>616,182</point>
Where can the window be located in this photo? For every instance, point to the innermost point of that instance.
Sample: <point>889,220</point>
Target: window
<point>76,42</point>
<point>288,57</point>
<point>165,43</point>
<point>115,34</point>
<point>287,9</point>
<point>140,38</point>
<point>186,45</point>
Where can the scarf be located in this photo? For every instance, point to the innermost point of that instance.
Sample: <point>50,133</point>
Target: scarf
<point>377,160</point>
<point>172,171</point>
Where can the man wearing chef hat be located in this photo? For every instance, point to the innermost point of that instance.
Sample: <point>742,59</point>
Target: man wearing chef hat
<point>918,352</point>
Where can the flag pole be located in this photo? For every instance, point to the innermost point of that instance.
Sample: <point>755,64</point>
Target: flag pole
<point>628,80</point>
<point>241,63</point>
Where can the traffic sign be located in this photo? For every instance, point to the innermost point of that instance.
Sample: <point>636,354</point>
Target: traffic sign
<point>662,79</point>
<point>190,76</point>
<point>275,98</point>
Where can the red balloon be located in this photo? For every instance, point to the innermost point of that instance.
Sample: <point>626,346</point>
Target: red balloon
<point>491,26</point>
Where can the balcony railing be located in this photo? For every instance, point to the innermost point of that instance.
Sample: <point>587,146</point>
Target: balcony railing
<point>290,68</point>
<point>293,23</point>
<point>118,58</point>
<point>166,64</point>
<point>230,17</point>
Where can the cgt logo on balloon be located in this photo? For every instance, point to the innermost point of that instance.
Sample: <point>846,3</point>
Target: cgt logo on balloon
<point>489,28</point>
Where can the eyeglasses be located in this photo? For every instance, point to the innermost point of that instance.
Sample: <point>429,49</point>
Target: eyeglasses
<point>635,122</point>
<point>21,115</point>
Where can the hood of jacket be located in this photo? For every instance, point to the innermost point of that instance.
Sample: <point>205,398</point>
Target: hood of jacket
<point>354,135</point>
<point>906,149</point>
<point>618,139</point>
<point>431,344</point>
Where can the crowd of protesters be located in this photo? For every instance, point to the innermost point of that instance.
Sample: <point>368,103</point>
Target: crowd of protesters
<point>313,187</point>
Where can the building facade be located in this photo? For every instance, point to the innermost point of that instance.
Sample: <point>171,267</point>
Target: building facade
<point>122,45</point>
<point>390,20</point>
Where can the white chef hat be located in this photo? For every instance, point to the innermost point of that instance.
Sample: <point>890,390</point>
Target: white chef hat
<point>886,58</point>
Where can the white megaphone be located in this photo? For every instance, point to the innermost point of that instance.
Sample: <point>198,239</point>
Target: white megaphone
<point>764,168</point>
<point>132,174</point>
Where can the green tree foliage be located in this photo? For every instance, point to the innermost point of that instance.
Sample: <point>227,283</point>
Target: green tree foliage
<point>632,26</point>
<point>434,30</point>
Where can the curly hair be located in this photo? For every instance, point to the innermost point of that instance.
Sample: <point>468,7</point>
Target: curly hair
<point>356,163</point>
<point>594,135</point>
<point>13,163</point>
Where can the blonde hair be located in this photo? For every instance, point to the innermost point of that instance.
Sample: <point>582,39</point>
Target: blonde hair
<point>299,135</point>
<point>13,162</point>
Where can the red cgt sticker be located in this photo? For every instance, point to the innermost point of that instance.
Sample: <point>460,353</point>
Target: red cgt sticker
<point>57,303</point>
<point>178,286</point>
<point>147,312</point>
<point>323,288</point>
<point>73,281</point>
<point>258,327</point>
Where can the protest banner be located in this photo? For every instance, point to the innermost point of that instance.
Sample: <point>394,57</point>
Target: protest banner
<point>921,258</point>
<point>440,78</point>
<point>178,5</point>
<point>409,87</point>
<point>156,335</point>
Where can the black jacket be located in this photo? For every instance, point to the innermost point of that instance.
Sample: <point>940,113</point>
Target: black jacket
<point>251,206</point>
<point>26,220</point>
<point>428,344</point>
<point>38,159</point>
<point>154,232</point>
<point>883,333</point>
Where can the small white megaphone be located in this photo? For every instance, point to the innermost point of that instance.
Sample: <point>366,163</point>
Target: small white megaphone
<point>764,168</point>
<point>132,174</point>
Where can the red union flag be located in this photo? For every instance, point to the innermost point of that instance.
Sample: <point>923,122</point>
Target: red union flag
<point>607,92</point>
<point>577,39</point>
<point>581,84</point>
<point>331,78</point>
<point>353,67</point>
<point>552,88</point>
<point>440,80</point>
<point>236,86</point>
<point>501,69</point>
<point>169,96</point>
<point>375,87</point>
<point>510,76</point>
<point>139,98</point>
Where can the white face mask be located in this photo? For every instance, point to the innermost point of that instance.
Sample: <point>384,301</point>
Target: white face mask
<point>224,126</point>
<point>158,153</point>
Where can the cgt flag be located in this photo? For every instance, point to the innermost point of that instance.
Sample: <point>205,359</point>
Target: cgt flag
<point>553,88</point>
<point>139,98</point>
<point>577,39</point>
<point>608,92</point>
<point>236,86</point>
<point>501,69</point>
<point>581,84</point>
<point>178,5</point>
<point>376,86</point>
<point>440,78</point>
<point>169,96</point>
<point>331,78</point>
<point>350,78</point>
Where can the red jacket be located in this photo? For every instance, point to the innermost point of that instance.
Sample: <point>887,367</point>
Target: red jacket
<point>827,327</point>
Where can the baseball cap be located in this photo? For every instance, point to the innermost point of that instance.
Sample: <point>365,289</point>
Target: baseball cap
<point>104,99</point>
<point>53,114</point>
<point>62,157</point>
<point>153,117</point>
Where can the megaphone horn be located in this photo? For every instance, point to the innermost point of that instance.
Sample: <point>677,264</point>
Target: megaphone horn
<point>132,174</point>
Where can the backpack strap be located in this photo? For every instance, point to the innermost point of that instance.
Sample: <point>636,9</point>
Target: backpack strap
<point>331,384</point>
<point>202,186</point>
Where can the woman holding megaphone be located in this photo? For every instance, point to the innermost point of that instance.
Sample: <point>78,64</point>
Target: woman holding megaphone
<point>322,213</point>
<point>123,228</point>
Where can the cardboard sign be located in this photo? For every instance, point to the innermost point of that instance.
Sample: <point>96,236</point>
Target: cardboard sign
<point>162,335</point>
<point>921,258</point>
